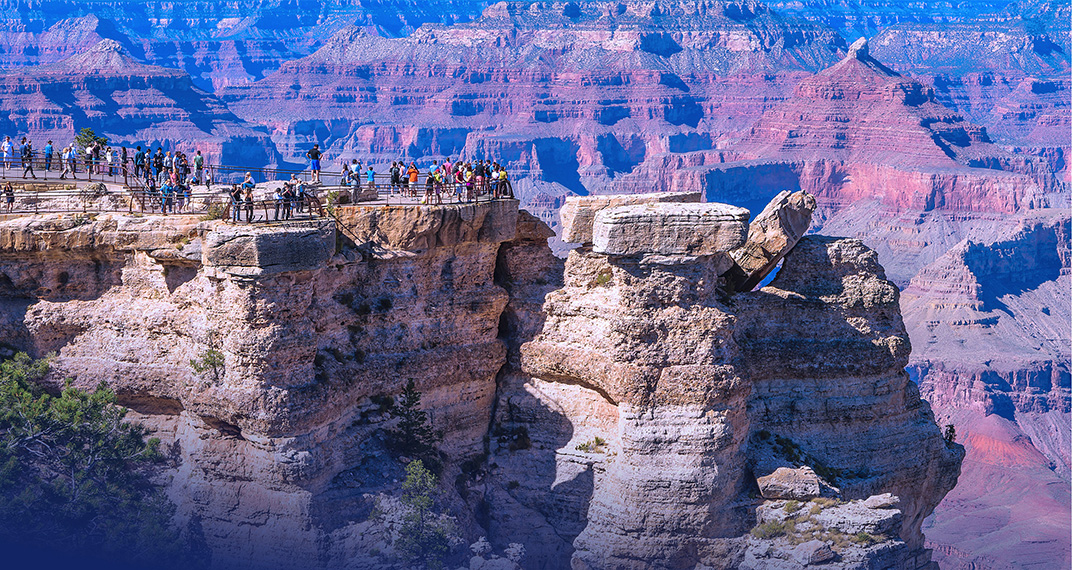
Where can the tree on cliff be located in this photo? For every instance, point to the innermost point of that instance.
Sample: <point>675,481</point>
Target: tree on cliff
<point>413,435</point>
<point>87,137</point>
<point>419,533</point>
<point>75,477</point>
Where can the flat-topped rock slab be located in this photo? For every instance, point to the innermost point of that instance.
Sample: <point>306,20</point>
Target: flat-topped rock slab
<point>669,229</point>
<point>579,212</point>
<point>260,250</point>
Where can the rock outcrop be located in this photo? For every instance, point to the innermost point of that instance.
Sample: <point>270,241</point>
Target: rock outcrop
<point>771,235</point>
<point>276,448</point>
<point>648,421</point>
<point>615,412</point>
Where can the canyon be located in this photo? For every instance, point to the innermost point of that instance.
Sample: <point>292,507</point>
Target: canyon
<point>941,143</point>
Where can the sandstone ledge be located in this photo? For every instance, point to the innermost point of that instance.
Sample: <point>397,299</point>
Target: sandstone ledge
<point>669,229</point>
<point>579,212</point>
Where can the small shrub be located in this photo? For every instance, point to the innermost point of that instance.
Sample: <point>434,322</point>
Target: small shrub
<point>792,506</point>
<point>209,363</point>
<point>815,509</point>
<point>215,211</point>
<point>825,502</point>
<point>950,433</point>
<point>604,277</point>
<point>512,485</point>
<point>773,529</point>
<point>594,445</point>
<point>862,538</point>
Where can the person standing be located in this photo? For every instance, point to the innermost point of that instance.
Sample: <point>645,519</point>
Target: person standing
<point>9,197</point>
<point>48,156</point>
<point>396,178</point>
<point>27,159</point>
<point>199,167</point>
<point>314,155</point>
<point>370,179</point>
<point>139,162</point>
<point>158,162</point>
<point>248,201</point>
<point>65,155</point>
<point>413,174</point>
<point>169,163</point>
<point>236,203</point>
<point>7,150</point>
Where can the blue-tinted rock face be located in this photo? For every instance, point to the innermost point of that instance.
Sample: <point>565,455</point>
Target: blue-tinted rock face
<point>131,103</point>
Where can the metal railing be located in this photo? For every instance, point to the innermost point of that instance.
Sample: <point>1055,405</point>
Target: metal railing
<point>138,196</point>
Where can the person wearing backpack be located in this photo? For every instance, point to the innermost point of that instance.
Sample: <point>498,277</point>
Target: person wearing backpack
<point>396,178</point>
<point>139,161</point>
<point>27,160</point>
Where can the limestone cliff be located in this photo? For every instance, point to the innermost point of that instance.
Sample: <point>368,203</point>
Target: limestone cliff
<point>649,395</point>
<point>614,412</point>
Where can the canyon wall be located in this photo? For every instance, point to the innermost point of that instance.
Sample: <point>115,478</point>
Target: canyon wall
<point>612,412</point>
<point>158,106</point>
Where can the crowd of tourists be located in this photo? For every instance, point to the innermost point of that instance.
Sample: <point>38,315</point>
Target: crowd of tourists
<point>167,177</point>
<point>461,181</point>
<point>287,200</point>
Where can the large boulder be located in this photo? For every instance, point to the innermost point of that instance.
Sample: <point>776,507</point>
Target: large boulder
<point>786,483</point>
<point>254,251</point>
<point>579,212</point>
<point>669,229</point>
<point>770,236</point>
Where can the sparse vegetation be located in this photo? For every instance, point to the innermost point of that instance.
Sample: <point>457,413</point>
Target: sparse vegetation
<point>791,506</point>
<point>950,433</point>
<point>603,277</point>
<point>424,536</point>
<point>215,211</point>
<point>516,438</point>
<point>825,502</point>
<point>595,445</point>
<point>413,436</point>
<point>774,529</point>
<point>87,137</point>
<point>74,476</point>
<point>209,365</point>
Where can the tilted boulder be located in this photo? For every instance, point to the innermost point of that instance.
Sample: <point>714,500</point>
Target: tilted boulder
<point>770,236</point>
<point>669,229</point>
<point>579,212</point>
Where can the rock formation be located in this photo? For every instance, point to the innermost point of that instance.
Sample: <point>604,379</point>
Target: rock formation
<point>217,44</point>
<point>614,413</point>
<point>158,106</point>
<point>620,376</point>
<point>989,321</point>
<point>567,95</point>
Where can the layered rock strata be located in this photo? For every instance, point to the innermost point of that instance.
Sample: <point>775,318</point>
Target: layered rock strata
<point>652,392</point>
<point>612,413</point>
<point>105,89</point>
<point>275,449</point>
